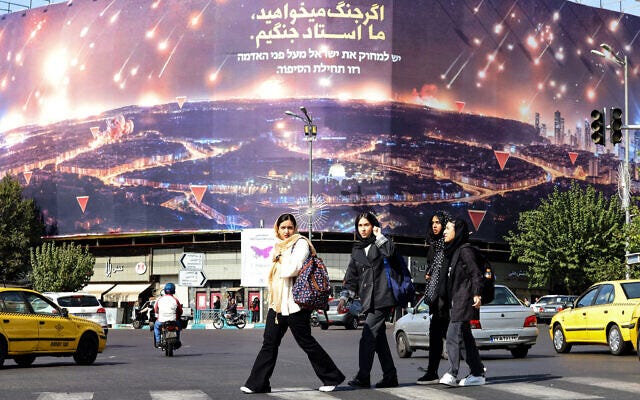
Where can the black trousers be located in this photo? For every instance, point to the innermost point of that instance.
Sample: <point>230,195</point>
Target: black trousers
<point>437,334</point>
<point>374,340</point>
<point>300,326</point>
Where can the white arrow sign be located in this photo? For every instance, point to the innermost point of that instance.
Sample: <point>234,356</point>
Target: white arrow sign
<point>192,261</point>
<point>191,278</point>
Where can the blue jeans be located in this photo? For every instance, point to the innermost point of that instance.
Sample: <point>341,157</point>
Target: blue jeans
<point>156,332</point>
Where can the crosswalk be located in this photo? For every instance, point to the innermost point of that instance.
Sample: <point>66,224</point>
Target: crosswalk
<point>557,388</point>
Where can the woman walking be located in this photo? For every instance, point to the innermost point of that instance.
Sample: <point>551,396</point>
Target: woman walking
<point>365,275</point>
<point>289,253</point>
<point>436,296</point>
<point>464,288</point>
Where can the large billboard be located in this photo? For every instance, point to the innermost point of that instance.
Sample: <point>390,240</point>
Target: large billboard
<point>145,116</point>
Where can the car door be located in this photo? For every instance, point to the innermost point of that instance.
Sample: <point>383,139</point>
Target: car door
<point>18,322</point>
<point>55,332</point>
<point>575,320</point>
<point>417,327</point>
<point>600,313</point>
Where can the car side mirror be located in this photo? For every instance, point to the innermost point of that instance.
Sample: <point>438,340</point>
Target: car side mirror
<point>64,312</point>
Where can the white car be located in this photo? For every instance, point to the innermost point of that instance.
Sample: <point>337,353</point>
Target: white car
<point>83,305</point>
<point>505,323</point>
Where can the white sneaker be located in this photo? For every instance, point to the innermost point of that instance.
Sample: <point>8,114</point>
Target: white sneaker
<point>472,380</point>
<point>327,388</point>
<point>245,389</point>
<point>449,380</point>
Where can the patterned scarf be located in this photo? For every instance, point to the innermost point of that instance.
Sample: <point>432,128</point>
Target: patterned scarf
<point>438,260</point>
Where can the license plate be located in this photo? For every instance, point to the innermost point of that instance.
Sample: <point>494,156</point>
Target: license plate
<point>504,338</point>
<point>171,335</point>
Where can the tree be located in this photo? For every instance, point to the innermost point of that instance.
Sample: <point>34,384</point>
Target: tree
<point>65,268</point>
<point>573,239</point>
<point>21,228</point>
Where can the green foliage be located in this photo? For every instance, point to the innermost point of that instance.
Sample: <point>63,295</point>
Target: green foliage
<point>20,229</point>
<point>65,268</point>
<point>573,239</point>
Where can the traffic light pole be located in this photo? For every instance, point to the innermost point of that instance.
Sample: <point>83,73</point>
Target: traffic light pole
<point>627,183</point>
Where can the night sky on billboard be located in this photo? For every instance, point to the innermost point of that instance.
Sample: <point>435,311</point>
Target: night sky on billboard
<point>134,103</point>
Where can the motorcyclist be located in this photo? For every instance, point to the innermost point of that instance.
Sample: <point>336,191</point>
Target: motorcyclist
<point>231,312</point>
<point>167,308</point>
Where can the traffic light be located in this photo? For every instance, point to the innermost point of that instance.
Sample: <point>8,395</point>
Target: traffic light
<point>616,125</point>
<point>598,127</point>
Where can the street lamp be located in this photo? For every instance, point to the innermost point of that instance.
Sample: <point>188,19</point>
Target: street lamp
<point>609,54</point>
<point>310,132</point>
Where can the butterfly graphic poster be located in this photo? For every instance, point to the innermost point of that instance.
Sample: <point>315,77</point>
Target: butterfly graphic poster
<point>255,248</point>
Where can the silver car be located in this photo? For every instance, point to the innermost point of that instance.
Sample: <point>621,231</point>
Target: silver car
<point>547,306</point>
<point>82,305</point>
<point>505,323</point>
<point>350,317</point>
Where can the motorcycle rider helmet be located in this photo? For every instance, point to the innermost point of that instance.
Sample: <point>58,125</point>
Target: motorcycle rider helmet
<point>170,288</point>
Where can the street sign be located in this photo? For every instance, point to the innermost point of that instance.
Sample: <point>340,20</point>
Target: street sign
<point>191,278</point>
<point>192,261</point>
<point>633,258</point>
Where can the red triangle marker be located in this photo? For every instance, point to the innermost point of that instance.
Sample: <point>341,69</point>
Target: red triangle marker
<point>476,217</point>
<point>502,157</point>
<point>460,105</point>
<point>198,191</point>
<point>27,176</point>
<point>572,156</point>
<point>82,202</point>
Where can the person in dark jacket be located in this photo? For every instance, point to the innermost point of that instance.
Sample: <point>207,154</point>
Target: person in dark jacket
<point>436,296</point>
<point>463,289</point>
<point>366,275</point>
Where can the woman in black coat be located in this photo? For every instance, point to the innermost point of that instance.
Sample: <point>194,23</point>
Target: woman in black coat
<point>463,289</point>
<point>366,275</point>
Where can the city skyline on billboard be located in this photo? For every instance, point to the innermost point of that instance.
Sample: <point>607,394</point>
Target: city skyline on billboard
<point>137,116</point>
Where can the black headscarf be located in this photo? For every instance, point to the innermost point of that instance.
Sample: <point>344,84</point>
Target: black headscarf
<point>362,242</point>
<point>462,237</point>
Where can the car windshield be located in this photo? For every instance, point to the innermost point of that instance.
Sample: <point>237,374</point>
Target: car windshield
<point>631,290</point>
<point>504,297</point>
<point>78,301</point>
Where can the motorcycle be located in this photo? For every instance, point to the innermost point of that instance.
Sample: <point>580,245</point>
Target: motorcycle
<point>219,320</point>
<point>169,337</point>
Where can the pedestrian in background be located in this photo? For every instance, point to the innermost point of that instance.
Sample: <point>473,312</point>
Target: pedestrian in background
<point>289,253</point>
<point>436,296</point>
<point>365,275</point>
<point>463,289</point>
<point>255,309</point>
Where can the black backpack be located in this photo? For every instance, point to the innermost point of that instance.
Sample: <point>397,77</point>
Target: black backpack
<point>487,291</point>
<point>399,279</point>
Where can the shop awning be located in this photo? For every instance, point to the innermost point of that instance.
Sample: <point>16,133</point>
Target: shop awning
<point>126,292</point>
<point>97,289</point>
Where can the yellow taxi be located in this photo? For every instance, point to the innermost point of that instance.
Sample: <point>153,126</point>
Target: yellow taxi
<point>603,314</point>
<point>31,326</point>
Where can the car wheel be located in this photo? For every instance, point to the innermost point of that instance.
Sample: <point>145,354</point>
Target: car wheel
<point>617,345</point>
<point>402,346</point>
<point>520,352</point>
<point>324,327</point>
<point>350,323</point>
<point>3,351</point>
<point>137,324</point>
<point>559,341</point>
<point>87,350</point>
<point>354,323</point>
<point>637,345</point>
<point>24,361</point>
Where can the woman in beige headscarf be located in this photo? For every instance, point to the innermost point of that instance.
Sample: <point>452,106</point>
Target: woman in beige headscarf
<point>288,255</point>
